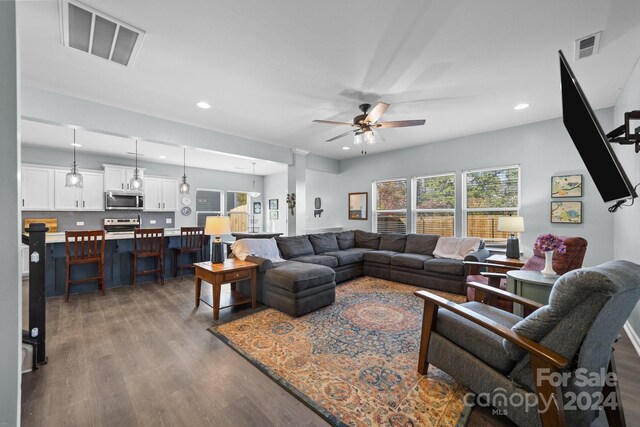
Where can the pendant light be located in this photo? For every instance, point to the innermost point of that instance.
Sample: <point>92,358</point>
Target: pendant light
<point>254,193</point>
<point>136,181</point>
<point>74,178</point>
<point>184,187</point>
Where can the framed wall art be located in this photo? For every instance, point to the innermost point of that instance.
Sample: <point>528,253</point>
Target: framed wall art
<point>566,186</point>
<point>359,205</point>
<point>257,208</point>
<point>273,204</point>
<point>566,212</point>
<point>273,215</point>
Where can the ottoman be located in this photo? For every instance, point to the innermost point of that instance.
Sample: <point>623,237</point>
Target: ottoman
<point>298,288</point>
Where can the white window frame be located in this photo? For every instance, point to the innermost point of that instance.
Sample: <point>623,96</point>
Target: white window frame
<point>466,209</point>
<point>374,205</point>
<point>414,200</point>
<point>222,202</point>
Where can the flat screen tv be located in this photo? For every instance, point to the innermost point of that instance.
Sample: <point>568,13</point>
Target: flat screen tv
<point>592,144</point>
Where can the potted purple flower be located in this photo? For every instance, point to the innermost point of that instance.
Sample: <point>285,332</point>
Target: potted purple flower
<point>548,243</point>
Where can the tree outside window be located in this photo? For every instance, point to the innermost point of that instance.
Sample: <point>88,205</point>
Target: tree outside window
<point>390,206</point>
<point>434,204</point>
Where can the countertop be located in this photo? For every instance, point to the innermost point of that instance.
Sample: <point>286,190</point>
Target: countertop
<point>118,235</point>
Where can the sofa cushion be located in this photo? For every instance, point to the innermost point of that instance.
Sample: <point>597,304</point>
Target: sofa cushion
<point>364,239</point>
<point>349,256</point>
<point>329,261</point>
<point>410,260</point>
<point>477,340</point>
<point>346,240</point>
<point>393,242</point>
<point>445,266</point>
<point>421,243</point>
<point>380,257</point>
<point>324,242</point>
<point>294,246</point>
<point>297,276</point>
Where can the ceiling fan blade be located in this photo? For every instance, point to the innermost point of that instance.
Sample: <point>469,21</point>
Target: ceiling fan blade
<point>377,112</point>
<point>329,122</point>
<point>341,135</point>
<point>400,123</point>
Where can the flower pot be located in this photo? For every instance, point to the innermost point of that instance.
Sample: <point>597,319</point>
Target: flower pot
<point>548,264</point>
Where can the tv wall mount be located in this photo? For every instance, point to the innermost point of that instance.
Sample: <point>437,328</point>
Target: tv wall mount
<point>623,135</point>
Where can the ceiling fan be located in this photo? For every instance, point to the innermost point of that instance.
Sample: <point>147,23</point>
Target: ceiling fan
<point>365,123</point>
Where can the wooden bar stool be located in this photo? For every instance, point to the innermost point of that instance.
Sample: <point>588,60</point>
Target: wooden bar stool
<point>191,242</point>
<point>148,243</point>
<point>84,247</point>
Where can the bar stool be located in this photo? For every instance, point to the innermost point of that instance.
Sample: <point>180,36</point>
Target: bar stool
<point>84,247</point>
<point>148,243</point>
<point>191,242</point>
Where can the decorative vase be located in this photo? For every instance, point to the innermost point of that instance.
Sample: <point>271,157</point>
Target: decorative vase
<point>548,264</point>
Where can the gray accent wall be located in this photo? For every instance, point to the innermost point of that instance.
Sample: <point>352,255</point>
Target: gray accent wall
<point>11,284</point>
<point>541,149</point>
<point>626,229</point>
<point>197,178</point>
<point>275,187</point>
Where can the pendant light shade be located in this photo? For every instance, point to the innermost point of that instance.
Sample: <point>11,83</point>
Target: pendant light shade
<point>254,193</point>
<point>136,181</point>
<point>184,186</point>
<point>74,178</point>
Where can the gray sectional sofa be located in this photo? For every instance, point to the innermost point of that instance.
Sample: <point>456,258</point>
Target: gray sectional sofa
<point>314,263</point>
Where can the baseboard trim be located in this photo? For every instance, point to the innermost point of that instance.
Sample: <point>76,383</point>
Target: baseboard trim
<point>633,337</point>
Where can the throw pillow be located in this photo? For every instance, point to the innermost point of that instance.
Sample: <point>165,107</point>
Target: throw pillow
<point>263,248</point>
<point>346,240</point>
<point>325,242</point>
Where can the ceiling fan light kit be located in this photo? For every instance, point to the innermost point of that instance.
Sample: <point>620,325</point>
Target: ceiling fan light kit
<point>366,122</point>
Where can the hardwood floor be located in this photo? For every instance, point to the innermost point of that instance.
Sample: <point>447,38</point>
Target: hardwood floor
<point>144,357</point>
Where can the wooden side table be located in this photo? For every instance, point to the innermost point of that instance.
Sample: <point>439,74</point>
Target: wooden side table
<point>507,262</point>
<point>231,271</point>
<point>530,284</point>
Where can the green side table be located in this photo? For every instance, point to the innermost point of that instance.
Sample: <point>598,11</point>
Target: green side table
<point>529,284</point>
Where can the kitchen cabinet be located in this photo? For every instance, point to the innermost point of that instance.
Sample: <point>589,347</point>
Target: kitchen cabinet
<point>90,197</point>
<point>36,188</point>
<point>160,194</point>
<point>119,177</point>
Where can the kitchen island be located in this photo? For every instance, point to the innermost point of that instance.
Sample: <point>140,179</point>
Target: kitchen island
<point>117,262</point>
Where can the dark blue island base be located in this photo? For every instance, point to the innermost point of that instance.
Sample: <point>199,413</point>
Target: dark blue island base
<point>117,266</point>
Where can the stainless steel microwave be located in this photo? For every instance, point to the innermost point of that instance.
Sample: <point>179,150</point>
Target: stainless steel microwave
<point>124,200</point>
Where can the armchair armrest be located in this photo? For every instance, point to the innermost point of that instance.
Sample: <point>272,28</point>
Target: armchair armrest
<point>503,295</point>
<point>535,349</point>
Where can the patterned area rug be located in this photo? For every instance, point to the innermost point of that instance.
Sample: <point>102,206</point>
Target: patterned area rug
<point>354,362</point>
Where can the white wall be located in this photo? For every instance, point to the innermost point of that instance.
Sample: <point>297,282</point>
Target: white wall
<point>626,228</point>
<point>10,285</point>
<point>275,187</point>
<point>197,178</point>
<point>327,187</point>
<point>541,149</point>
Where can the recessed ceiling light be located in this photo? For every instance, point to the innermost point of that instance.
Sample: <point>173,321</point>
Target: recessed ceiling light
<point>346,147</point>
<point>75,144</point>
<point>521,106</point>
<point>163,157</point>
<point>203,105</point>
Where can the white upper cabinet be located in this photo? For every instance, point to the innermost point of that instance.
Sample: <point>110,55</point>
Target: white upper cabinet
<point>160,194</point>
<point>37,188</point>
<point>119,177</point>
<point>90,197</point>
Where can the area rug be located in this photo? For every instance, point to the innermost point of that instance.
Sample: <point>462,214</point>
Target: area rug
<point>355,361</point>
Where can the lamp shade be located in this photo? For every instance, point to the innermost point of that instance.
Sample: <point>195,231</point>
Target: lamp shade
<point>511,224</point>
<point>217,226</point>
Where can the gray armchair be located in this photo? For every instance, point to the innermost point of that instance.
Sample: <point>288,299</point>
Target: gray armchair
<point>515,361</point>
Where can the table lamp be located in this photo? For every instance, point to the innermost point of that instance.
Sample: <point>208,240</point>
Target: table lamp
<point>217,226</point>
<point>512,224</point>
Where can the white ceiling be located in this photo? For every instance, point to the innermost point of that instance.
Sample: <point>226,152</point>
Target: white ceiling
<point>268,68</point>
<point>61,137</point>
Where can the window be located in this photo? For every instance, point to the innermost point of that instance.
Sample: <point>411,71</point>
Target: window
<point>434,204</point>
<point>390,206</point>
<point>208,203</point>
<point>238,210</point>
<point>489,194</point>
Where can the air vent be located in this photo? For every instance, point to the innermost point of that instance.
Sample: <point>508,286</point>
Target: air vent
<point>98,34</point>
<point>588,46</point>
